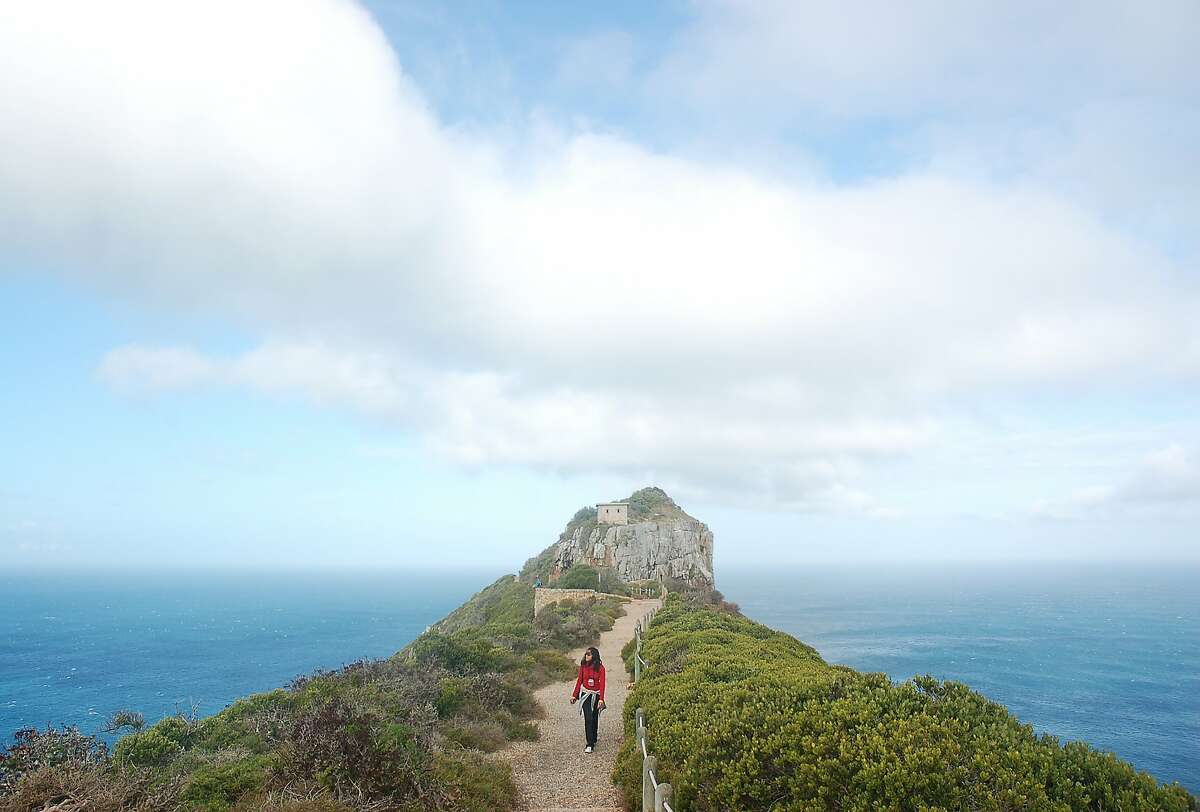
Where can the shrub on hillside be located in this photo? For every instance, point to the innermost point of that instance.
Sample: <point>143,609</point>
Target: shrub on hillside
<point>90,787</point>
<point>291,799</point>
<point>570,624</point>
<point>148,748</point>
<point>744,717</point>
<point>646,502</point>
<point>579,576</point>
<point>461,653</point>
<point>350,749</point>
<point>475,784</point>
<point>33,749</point>
<point>215,787</point>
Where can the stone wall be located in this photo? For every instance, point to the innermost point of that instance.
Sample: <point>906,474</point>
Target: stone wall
<point>543,596</point>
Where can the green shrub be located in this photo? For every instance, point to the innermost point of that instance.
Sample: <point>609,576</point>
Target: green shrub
<point>744,717</point>
<point>543,666</point>
<point>569,624</point>
<point>176,729</point>
<point>346,747</point>
<point>517,731</point>
<point>149,748</point>
<point>486,736</point>
<point>579,576</point>
<point>451,696</point>
<point>648,502</point>
<point>474,783</point>
<point>217,787</point>
<point>259,704</point>
<point>461,653</point>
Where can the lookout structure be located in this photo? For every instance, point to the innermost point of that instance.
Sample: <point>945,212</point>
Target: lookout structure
<point>612,513</point>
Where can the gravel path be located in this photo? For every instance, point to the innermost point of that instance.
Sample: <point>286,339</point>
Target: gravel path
<point>553,773</point>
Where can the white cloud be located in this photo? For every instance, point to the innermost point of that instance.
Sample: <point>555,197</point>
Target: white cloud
<point>1166,483</point>
<point>1169,476</point>
<point>593,307</point>
<point>484,419</point>
<point>368,383</point>
<point>1095,100</point>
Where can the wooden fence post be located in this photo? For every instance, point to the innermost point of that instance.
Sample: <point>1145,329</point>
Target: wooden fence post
<point>662,795</point>
<point>649,797</point>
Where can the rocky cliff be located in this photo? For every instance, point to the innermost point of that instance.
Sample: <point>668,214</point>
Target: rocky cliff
<point>660,541</point>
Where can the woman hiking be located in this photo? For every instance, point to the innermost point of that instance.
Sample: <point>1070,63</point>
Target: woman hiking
<point>590,685</point>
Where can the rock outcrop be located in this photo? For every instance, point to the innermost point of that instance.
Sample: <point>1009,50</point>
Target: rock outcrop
<point>660,541</point>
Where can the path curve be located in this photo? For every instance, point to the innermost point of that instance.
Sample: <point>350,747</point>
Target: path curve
<point>553,773</point>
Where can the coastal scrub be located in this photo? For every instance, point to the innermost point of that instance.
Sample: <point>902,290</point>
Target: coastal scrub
<point>744,717</point>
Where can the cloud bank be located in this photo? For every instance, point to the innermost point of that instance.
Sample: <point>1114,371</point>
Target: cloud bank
<point>578,304</point>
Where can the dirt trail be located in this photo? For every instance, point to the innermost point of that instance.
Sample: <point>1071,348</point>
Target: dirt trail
<point>553,773</point>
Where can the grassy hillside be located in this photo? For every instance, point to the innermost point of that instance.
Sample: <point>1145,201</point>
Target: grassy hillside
<point>744,717</point>
<point>411,732</point>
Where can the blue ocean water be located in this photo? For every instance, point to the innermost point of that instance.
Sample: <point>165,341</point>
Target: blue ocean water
<point>76,647</point>
<point>1106,654</point>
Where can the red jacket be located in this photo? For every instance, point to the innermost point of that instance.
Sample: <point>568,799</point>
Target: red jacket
<point>590,678</point>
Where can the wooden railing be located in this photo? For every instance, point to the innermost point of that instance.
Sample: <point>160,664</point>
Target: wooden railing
<point>656,796</point>
<point>647,591</point>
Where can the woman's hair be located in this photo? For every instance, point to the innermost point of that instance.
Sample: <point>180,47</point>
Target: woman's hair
<point>595,652</point>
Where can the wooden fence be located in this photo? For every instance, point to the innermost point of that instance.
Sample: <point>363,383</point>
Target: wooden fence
<point>656,796</point>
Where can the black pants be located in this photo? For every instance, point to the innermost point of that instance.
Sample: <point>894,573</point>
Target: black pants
<point>591,718</point>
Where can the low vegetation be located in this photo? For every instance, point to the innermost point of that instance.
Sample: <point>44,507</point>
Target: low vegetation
<point>744,717</point>
<point>579,576</point>
<point>407,733</point>
<point>650,503</point>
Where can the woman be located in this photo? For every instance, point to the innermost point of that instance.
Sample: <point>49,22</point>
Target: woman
<point>590,683</point>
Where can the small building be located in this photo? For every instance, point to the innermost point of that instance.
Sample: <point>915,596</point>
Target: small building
<point>612,513</point>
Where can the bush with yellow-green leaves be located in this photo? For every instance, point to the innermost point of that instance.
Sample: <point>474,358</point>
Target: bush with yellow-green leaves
<point>744,717</point>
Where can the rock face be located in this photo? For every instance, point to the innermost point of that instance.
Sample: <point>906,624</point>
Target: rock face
<point>660,541</point>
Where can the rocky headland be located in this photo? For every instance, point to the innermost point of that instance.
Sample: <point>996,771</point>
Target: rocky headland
<point>658,541</point>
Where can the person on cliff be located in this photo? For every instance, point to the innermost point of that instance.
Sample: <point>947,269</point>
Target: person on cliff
<point>589,686</point>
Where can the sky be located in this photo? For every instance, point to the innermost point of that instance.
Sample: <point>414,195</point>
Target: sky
<point>404,284</point>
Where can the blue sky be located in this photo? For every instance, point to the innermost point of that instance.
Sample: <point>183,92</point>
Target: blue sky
<point>404,284</point>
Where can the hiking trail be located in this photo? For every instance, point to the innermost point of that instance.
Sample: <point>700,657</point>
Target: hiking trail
<point>553,773</point>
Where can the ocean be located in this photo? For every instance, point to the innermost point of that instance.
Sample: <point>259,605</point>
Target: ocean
<point>76,647</point>
<point>1110,655</point>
